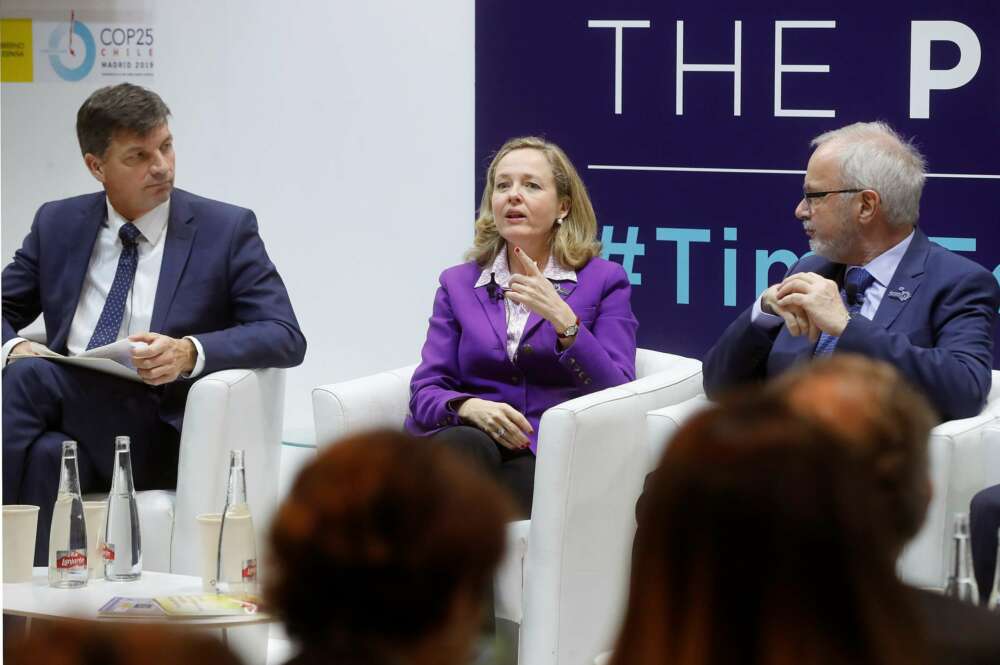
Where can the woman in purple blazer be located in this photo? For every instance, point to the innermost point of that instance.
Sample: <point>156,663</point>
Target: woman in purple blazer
<point>535,317</point>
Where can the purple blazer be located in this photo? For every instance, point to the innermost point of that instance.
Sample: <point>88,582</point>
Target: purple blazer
<point>465,353</point>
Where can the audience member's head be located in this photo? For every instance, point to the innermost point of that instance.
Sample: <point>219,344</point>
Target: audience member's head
<point>91,643</point>
<point>883,422</point>
<point>760,543</point>
<point>386,546</point>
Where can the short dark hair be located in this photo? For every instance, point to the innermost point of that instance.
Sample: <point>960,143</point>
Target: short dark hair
<point>376,539</point>
<point>115,108</point>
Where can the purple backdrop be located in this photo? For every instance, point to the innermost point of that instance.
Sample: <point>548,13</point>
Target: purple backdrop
<point>698,242</point>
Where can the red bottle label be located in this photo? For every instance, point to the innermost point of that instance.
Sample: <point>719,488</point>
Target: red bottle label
<point>250,570</point>
<point>71,559</point>
<point>108,551</point>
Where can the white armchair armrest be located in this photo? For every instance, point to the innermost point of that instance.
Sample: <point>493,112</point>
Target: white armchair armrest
<point>662,424</point>
<point>378,400</point>
<point>237,408</point>
<point>508,585</point>
<point>590,470</point>
<point>964,457</point>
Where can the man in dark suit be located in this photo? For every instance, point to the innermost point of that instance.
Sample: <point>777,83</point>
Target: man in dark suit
<point>886,423</point>
<point>927,311</point>
<point>185,278</point>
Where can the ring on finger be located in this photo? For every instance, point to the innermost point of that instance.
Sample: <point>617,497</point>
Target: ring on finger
<point>500,431</point>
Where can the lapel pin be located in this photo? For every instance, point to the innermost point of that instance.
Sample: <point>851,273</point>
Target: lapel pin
<point>901,294</point>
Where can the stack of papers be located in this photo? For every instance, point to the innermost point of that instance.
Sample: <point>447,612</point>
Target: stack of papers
<point>186,606</point>
<point>114,358</point>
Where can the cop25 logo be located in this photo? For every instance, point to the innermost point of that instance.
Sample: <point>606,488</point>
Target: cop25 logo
<point>72,51</point>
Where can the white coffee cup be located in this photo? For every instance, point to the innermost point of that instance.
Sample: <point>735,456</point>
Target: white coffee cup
<point>209,524</point>
<point>19,526</point>
<point>93,516</point>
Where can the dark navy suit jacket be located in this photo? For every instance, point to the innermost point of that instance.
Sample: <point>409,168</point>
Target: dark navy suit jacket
<point>216,282</point>
<point>940,336</point>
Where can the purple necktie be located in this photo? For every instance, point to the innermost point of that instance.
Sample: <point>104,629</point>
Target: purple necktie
<point>114,307</point>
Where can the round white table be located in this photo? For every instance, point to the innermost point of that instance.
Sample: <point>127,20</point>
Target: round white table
<point>36,599</point>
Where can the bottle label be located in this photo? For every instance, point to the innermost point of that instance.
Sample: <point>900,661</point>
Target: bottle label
<point>108,551</point>
<point>250,570</point>
<point>71,559</point>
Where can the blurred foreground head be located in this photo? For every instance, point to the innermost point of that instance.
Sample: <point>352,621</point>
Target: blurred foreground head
<point>91,643</point>
<point>881,419</point>
<point>760,543</point>
<point>386,545</point>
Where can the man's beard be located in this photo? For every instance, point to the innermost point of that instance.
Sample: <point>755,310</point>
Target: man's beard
<point>841,244</point>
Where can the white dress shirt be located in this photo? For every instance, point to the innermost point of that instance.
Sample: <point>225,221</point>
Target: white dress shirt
<point>882,268</point>
<point>101,274</point>
<point>517,314</point>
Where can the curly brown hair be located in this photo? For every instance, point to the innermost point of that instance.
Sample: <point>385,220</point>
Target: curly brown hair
<point>377,537</point>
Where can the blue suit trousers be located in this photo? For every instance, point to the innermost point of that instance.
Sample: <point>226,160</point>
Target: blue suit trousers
<point>984,521</point>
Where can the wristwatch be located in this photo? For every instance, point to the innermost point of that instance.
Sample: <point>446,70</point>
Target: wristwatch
<point>571,330</point>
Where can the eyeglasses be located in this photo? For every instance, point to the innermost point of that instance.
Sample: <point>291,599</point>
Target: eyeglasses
<point>809,197</point>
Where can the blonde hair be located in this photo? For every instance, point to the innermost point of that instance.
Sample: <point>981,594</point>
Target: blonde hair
<point>574,242</point>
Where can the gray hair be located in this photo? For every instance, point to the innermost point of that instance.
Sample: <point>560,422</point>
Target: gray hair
<point>873,156</point>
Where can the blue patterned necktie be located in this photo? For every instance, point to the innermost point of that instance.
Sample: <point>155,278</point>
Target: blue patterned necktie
<point>114,307</point>
<point>857,281</point>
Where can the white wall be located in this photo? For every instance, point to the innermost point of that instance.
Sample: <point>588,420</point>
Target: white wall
<point>346,126</point>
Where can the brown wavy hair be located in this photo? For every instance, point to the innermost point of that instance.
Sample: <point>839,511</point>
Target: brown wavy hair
<point>377,538</point>
<point>574,242</point>
<point>760,542</point>
<point>79,642</point>
<point>887,429</point>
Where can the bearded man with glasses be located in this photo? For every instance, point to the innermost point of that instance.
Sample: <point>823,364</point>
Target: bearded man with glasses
<point>874,285</point>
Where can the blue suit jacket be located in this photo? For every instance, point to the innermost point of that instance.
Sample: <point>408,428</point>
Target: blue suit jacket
<point>465,354</point>
<point>216,282</point>
<point>940,338</point>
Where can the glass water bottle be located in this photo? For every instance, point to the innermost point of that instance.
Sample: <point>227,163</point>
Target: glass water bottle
<point>68,533</point>
<point>121,542</point>
<point>236,565</point>
<point>994,601</point>
<point>961,580</point>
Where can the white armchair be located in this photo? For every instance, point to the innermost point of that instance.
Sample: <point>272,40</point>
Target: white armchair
<point>378,400</point>
<point>963,456</point>
<point>569,591</point>
<point>564,578</point>
<point>237,408</point>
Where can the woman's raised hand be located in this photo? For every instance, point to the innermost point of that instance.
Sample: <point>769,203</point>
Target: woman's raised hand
<point>534,291</point>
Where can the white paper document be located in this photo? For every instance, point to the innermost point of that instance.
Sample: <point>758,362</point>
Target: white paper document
<point>114,358</point>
